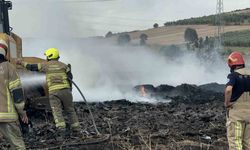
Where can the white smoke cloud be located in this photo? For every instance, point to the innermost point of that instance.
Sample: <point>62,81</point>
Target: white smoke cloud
<point>47,19</point>
<point>105,71</point>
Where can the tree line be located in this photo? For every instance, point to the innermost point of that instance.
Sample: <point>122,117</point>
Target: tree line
<point>230,39</point>
<point>124,39</point>
<point>228,19</point>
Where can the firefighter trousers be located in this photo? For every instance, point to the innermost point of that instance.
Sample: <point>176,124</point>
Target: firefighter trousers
<point>63,100</point>
<point>12,133</point>
<point>238,125</point>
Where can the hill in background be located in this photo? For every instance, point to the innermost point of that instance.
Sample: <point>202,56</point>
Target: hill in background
<point>173,32</point>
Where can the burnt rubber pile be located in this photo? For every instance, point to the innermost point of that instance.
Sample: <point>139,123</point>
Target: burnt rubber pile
<point>194,119</point>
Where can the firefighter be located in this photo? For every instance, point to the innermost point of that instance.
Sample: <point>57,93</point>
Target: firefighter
<point>59,88</point>
<point>11,100</point>
<point>237,102</point>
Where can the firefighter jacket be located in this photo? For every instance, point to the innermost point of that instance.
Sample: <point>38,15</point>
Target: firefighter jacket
<point>238,119</point>
<point>57,74</point>
<point>11,93</point>
<point>240,80</point>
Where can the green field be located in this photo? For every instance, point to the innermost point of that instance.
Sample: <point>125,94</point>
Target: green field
<point>237,39</point>
<point>228,19</point>
<point>244,50</point>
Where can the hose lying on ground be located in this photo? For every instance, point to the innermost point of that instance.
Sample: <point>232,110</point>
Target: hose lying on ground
<point>91,115</point>
<point>101,139</point>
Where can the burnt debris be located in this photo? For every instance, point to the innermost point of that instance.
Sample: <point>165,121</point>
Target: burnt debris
<point>194,119</point>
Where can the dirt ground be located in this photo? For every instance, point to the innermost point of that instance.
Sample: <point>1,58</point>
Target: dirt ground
<point>194,119</point>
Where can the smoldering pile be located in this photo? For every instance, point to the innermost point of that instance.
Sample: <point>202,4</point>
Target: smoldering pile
<point>184,93</point>
<point>194,119</point>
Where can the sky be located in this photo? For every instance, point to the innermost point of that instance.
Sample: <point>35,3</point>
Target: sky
<point>85,18</point>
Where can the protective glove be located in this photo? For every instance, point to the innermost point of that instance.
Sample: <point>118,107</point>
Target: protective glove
<point>22,112</point>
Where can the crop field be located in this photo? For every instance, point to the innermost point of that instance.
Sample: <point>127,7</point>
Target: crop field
<point>175,34</point>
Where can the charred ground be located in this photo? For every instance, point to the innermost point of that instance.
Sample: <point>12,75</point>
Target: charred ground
<point>194,119</point>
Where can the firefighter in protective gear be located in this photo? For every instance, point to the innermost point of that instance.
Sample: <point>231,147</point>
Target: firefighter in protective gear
<point>59,87</point>
<point>237,102</point>
<point>11,100</point>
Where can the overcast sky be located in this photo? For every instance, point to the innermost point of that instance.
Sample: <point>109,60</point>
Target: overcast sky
<point>83,18</point>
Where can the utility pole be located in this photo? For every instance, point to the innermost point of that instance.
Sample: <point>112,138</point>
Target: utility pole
<point>219,23</point>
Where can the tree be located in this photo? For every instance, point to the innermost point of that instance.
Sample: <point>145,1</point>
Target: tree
<point>171,51</point>
<point>206,42</point>
<point>144,38</point>
<point>190,35</point>
<point>109,34</point>
<point>188,46</point>
<point>123,39</point>
<point>201,42</point>
<point>156,25</point>
<point>196,44</point>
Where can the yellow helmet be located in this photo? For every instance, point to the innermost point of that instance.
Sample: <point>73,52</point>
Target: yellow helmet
<point>51,53</point>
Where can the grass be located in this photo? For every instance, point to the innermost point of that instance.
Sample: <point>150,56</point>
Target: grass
<point>245,50</point>
<point>237,38</point>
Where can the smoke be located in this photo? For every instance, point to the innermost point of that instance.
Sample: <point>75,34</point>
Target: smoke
<point>102,70</point>
<point>106,71</point>
<point>48,19</point>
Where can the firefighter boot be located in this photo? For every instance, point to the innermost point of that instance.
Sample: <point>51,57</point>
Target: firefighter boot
<point>60,134</point>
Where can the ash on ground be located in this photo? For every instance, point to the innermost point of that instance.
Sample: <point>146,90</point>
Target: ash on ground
<point>194,119</point>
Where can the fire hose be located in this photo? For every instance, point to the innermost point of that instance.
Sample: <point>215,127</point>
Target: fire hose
<point>100,139</point>
<point>25,127</point>
<point>90,112</point>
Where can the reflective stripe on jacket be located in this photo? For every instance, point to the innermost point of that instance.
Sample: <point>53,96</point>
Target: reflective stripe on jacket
<point>9,81</point>
<point>56,74</point>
